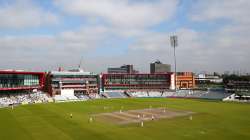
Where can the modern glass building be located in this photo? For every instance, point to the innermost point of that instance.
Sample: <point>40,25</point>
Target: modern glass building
<point>149,82</point>
<point>122,69</point>
<point>20,80</point>
<point>158,67</point>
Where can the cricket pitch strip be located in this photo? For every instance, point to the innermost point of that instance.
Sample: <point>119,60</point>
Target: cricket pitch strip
<point>135,116</point>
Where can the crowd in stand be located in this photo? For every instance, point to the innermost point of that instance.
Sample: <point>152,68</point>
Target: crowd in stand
<point>181,94</point>
<point>40,97</point>
<point>23,98</point>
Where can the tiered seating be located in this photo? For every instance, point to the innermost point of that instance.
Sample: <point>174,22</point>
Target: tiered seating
<point>115,95</point>
<point>168,94</point>
<point>39,97</point>
<point>182,94</point>
<point>23,98</point>
<point>139,94</point>
<point>155,94</point>
<point>215,95</point>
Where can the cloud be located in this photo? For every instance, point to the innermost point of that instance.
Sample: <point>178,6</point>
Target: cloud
<point>228,45</point>
<point>84,37</point>
<point>219,49</point>
<point>46,51</point>
<point>157,42</point>
<point>151,42</point>
<point>129,26</point>
<point>235,11</point>
<point>21,14</point>
<point>122,13</point>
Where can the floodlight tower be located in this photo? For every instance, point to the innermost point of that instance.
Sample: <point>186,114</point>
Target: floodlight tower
<point>174,44</point>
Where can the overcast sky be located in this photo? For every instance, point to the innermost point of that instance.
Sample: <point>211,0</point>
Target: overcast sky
<point>39,35</point>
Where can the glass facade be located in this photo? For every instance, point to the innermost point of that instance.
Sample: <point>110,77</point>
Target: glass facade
<point>135,81</point>
<point>18,80</point>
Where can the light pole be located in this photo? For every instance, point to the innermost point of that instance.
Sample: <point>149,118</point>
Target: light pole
<point>174,43</point>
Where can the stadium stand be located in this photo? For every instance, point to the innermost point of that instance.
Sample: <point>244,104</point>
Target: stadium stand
<point>155,94</point>
<point>139,94</point>
<point>210,94</point>
<point>214,95</point>
<point>24,98</point>
<point>168,94</point>
<point>115,94</point>
<point>40,97</point>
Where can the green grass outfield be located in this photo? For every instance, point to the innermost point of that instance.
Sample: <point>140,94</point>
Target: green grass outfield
<point>213,120</point>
